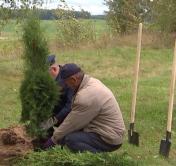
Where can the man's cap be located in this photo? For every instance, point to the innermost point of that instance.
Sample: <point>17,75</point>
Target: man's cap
<point>68,70</point>
<point>51,59</point>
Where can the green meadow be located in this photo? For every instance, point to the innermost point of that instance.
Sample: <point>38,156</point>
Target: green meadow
<point>13,30</point>
<point>113,65</point>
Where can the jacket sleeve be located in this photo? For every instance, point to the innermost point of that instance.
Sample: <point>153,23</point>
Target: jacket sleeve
<point>65,110</point>
<point>78,118</point>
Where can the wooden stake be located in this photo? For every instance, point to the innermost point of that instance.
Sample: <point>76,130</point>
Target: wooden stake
<point>171,98</point>
<point>136,71</point>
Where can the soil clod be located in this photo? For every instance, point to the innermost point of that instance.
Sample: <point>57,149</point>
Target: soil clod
<point>14,142</point>
<point>9,138</point>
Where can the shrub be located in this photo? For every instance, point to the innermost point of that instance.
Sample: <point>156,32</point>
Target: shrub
<point>38,90</point>
<point>73,31</point>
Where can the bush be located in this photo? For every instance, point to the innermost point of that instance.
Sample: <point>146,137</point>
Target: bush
<point>73,31</point>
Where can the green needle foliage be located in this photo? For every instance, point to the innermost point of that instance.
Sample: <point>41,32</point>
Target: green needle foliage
<point>38,92</point>
<point>35,44</point>
<point>64,157</point>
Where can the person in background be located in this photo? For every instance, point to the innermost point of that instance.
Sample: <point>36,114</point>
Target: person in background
<point>95,122</point>
<point>63,108</point>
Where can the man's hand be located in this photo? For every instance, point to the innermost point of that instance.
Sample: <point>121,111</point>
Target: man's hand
<point>48,144</point>
<point>48,123</point>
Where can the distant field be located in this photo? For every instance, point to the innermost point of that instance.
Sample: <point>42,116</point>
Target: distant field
<point>114,67</point>
<point>13,30</point>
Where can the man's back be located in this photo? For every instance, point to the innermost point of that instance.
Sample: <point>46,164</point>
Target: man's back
<point>107,121</point>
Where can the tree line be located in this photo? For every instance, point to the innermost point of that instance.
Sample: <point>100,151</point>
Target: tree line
<point>123,15</point>
<point>46,14</point>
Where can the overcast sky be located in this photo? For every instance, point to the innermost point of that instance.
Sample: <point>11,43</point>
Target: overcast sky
<point>93,6</point>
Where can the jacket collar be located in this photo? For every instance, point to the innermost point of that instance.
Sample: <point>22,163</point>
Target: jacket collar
<point>85,80</point>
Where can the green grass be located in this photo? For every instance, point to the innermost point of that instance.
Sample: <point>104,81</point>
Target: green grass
<point>114,67</point>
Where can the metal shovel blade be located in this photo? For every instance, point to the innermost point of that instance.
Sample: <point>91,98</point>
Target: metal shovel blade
<point>165,147</point>
<point>133,137</point>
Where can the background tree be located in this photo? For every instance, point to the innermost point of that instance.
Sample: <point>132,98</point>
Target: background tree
<point>38,92</point>
<point>124,15</point>
<point>5,13</point>
<point>4,17</point>
<point>165,15</point>
<point>71,30</point>
<point>9,7</point>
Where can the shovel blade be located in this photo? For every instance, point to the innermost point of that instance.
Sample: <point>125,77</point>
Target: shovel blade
<point>165,147</point>
<point>133,137</point>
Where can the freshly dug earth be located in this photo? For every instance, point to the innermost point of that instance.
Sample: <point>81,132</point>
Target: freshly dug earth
<point>14,142</point>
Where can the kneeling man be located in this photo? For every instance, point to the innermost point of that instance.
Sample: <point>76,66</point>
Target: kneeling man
<point>95,122</point>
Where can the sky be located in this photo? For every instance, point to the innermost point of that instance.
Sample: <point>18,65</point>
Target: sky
<point>92,6</point>
<point>95,7</point>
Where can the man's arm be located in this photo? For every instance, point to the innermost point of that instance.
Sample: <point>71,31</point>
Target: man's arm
<point>79,117</point>
<point>65,110</point>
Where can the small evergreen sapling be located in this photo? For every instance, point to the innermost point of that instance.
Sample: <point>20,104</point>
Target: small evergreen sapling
<point>39,93</point>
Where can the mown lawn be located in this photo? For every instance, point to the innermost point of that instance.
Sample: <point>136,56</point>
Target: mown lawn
<point>114,67</point>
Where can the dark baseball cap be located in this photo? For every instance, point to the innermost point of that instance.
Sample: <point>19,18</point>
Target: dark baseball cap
<point>68,70</point>
<point>51,59</point>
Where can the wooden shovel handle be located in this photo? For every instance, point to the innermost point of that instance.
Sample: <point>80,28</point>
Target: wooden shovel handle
<point>171,98</point>
<point>136,71</point>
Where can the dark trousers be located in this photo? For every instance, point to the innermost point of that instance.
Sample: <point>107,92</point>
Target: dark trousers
<point>84,141</point>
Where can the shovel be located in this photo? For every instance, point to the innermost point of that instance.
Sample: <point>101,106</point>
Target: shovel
<point>166,143</point>
<point>133,137</point>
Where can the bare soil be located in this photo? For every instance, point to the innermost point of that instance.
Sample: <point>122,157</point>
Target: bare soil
<point>14,142</point>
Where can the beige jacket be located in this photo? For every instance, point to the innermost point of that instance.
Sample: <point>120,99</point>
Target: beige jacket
<point>94,109</point>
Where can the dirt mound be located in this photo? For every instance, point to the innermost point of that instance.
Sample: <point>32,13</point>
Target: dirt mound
<point>14,142</point>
